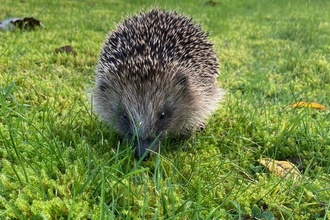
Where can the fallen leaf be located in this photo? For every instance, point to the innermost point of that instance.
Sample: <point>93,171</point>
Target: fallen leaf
<point>281,168</point>
<point>308,104</point>
<point>212,3</point>
<point>66,49</point>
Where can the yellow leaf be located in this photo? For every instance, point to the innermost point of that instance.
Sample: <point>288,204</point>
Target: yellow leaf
<point>308,104</point>
<point>281,168</point>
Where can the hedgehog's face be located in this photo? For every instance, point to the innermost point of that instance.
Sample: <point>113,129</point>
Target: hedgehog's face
<point>146,109</point>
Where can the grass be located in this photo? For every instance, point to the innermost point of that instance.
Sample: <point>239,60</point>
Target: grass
<point>58,161</point>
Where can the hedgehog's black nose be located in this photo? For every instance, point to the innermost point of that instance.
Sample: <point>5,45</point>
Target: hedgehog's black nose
<point>141,152</point>
<point>142,147</point>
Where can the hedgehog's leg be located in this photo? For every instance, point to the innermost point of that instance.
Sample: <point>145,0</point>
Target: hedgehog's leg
<point>201,127</point>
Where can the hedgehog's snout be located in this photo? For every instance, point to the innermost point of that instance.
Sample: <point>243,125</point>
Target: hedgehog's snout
<point>141,152</point>
<point>143,149</point>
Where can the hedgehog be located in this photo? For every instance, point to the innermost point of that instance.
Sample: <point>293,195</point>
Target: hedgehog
<point>156,77</point>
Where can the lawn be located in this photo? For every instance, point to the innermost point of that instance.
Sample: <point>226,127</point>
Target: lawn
<point>58,161</point>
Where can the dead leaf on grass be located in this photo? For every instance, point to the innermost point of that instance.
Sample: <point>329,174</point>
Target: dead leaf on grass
<point>308,104</point>
<point>66,49</point>
<point>212,3</point>
<point>281,168</point>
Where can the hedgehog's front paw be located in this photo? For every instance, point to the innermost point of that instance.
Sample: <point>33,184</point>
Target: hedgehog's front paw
<point>201,127</point>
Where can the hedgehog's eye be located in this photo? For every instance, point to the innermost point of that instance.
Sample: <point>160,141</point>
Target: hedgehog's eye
<point>161,116</point>
<point>125,115</point>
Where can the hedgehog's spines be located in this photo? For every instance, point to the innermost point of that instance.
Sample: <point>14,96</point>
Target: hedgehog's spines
<point>157,62</point>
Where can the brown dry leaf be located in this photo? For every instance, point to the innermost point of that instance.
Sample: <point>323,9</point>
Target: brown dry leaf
<point>213,3</point>
<point>281,168</point>
<point>308,104</point>
<point>66,49</point>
